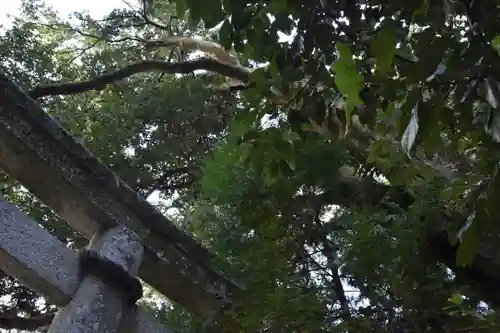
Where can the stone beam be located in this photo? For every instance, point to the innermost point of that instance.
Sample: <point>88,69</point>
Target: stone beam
<point>48,161</point>
<point>44,264</point>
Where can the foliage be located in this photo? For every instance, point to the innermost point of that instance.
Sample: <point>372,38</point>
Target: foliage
<point>154,136</point>
<point>321,173</point>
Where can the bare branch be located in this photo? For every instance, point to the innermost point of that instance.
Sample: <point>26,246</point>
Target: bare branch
<point>329,252</point>
<point>85,34</point>
<point>26,324</point>
<point>100,82</point>
<point>83,50</point>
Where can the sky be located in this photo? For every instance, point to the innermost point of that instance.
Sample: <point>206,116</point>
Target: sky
<point>97,8</point>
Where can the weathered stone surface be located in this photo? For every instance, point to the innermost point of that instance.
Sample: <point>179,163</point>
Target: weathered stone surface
<point>83,192</point>
<point>141,322</point>
<point>96,306</point>
<point>44,264</point>
<point>35,257</point>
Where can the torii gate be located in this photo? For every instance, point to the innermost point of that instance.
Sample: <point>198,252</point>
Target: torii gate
<point>127,232</point>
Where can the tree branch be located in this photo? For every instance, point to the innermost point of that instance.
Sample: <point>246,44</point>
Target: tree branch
<point>329,252</point>
<point>100,82</point>
<point>26,324</point>
<point>483,273</point>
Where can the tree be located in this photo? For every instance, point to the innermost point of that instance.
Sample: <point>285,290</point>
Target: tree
<point>311,268</point>
<point>154,136</point>
<point>385,109</point>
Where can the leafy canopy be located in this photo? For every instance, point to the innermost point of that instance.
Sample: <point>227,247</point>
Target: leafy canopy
<point>322,169</point>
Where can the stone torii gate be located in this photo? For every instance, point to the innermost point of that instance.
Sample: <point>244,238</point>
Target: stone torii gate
<point>127,233</point>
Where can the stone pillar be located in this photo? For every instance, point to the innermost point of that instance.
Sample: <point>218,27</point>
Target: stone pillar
<point>97,306</point>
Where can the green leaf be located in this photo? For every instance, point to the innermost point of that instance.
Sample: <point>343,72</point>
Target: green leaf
<point>379,149</point>
<point>278,6</point>
<point>272,172</point>
<point>291,136</point>
<point>225,35</point>
<point>347,78</point>
<point>250,136</point>
<point>180,7</point>
<point>285,151</point>
<point>384,47</point>
<point>495,43</point>
<point>448,7</point>
<point>195,12</point>
<point>456,299</point>
<point>468,247</point>
<point>420,10</point>
<point>345,54</point>
<point>274,70</point>
<point>274,134</point>
<point>246,154</point>
<point>430,114</point>
<point>259,76</point>
<point>286,168</point>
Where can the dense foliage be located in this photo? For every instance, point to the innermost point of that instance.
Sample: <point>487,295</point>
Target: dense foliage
<point>330,156</point>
